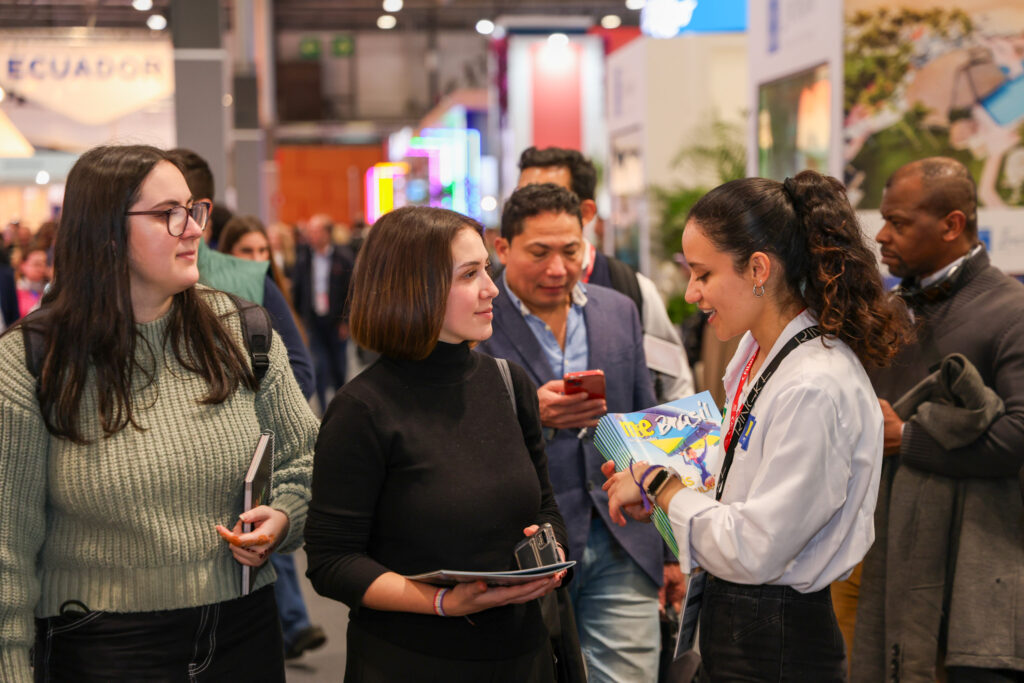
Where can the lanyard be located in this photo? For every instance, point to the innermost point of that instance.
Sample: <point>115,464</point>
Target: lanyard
<point>740,419</point>
<point>736,399</point>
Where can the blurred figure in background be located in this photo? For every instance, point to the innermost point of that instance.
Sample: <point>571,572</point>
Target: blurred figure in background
<point>282,247</point>
<point>8,297</point>
<point>33,277</point>
<point>323,270</point>
<point>245,237</point>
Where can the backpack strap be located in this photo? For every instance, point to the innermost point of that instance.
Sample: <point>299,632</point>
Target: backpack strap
<point>256,330</point>
<point>623,279</point>
<point>506,377</point>
<point>33,330</point>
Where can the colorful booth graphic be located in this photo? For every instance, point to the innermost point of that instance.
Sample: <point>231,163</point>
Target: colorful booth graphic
<point>935,79</point>
<point>440,167</point>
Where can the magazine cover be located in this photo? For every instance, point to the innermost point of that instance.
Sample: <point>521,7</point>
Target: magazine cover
<point>682,435</point>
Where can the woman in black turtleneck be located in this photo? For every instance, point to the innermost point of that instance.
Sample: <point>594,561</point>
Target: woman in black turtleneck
<point>422,464</point>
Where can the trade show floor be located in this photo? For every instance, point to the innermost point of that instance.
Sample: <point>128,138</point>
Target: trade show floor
<point>328,662</point>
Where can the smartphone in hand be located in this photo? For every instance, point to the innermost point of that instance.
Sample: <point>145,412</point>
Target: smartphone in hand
<point>590,382</point>
<point>538,550</point>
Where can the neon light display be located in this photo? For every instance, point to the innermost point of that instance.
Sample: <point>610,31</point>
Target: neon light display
<point>380,188</point>
<point>453,168</point>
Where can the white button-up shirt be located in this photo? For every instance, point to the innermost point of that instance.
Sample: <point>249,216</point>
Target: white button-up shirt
<point>799,500</point>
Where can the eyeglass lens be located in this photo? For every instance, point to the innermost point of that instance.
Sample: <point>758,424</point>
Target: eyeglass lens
<point>178,217</point>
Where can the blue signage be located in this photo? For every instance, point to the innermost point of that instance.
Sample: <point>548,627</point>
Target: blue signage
<point>40,68</point>
<point>669,18</point>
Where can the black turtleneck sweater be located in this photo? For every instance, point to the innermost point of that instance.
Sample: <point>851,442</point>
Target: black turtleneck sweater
<point>422,465</point>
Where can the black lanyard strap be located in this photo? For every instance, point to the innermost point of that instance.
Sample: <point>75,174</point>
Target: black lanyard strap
<point>799,338</point>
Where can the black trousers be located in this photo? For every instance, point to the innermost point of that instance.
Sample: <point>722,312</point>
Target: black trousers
<point>237,640</point>
<point>769,633</point>
<point>372,660</point>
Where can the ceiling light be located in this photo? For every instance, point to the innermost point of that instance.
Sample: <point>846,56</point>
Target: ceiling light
<point>157,22</point>
<point>635,4</point>
<point>42,178</point>
<point>488,203</point>
<point>227,100</point>
<point>558,40</point>
<point>610,21</point>
<point>142,5</point>
<point>485,27</point>
<point>393,5</point>
<point>386,21</point>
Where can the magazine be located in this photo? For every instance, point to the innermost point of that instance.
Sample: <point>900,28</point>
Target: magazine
<point>257,485</point>
<point>450,577</point>
<point>682,435</point>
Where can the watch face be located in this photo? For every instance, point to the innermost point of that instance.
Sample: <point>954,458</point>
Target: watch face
<point>657,481</point>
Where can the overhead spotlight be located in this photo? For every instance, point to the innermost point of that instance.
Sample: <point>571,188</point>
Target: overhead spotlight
<point>42,178</point>
<point>386,22</point>
<point>485,27</point>
<point>610,21</point>
<point>558,40</point>
<point>142,5</point>
<point>635,4</point>
<point>227,100</point>
<point>393,5</point>
<point>488,203</point>
<point>157,22</point>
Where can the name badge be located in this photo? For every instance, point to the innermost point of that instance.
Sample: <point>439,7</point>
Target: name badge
<point>745,436</point>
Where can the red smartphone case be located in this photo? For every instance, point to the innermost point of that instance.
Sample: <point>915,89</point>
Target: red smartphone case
<point>589,381</point>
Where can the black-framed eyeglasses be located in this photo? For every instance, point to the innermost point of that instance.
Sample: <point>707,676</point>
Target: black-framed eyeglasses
<point>177,216</point>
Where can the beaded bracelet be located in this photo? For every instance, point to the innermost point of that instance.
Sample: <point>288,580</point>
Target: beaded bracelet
<point>439,602</point>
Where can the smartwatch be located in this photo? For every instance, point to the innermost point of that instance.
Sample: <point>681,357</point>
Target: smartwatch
<point>657,483</point>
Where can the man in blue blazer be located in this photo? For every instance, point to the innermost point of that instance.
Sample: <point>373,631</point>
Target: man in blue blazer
<point>548,322</point>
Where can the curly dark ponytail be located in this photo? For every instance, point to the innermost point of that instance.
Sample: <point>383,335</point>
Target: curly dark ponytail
<point>808,224</point>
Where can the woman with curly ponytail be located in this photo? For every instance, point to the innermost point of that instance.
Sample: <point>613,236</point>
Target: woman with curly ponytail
<point>786,266</point>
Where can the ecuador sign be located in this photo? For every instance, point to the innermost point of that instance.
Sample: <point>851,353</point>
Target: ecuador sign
<point>92,82</point>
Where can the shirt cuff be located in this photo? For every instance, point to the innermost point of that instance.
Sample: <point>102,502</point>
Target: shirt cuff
<point>686,505</point>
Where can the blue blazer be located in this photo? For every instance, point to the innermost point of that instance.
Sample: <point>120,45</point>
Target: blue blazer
<point>615,345</point>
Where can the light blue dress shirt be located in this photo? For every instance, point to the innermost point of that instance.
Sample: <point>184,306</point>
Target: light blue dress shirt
<point>575,356</point>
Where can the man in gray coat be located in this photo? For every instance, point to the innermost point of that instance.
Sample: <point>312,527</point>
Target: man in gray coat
<point>956,602</point>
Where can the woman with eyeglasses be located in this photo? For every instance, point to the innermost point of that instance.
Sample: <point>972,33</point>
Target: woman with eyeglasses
<point>123,455</point>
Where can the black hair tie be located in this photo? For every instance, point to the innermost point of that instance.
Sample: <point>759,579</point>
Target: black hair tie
<point>789,187</point>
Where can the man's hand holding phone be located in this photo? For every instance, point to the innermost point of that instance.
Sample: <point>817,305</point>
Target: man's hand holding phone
<point>571,405</point>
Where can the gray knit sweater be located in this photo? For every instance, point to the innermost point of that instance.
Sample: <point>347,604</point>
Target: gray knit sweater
<point>126,523</point>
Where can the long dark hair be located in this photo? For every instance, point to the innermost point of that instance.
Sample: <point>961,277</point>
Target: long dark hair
<point>807,223</point>
<point>89,319</point>
<point>402,278</point>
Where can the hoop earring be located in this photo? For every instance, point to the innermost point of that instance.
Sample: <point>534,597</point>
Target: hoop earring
<point>761,293</point>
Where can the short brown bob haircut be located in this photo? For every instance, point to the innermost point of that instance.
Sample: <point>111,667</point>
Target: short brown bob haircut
<point>402,278</point>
